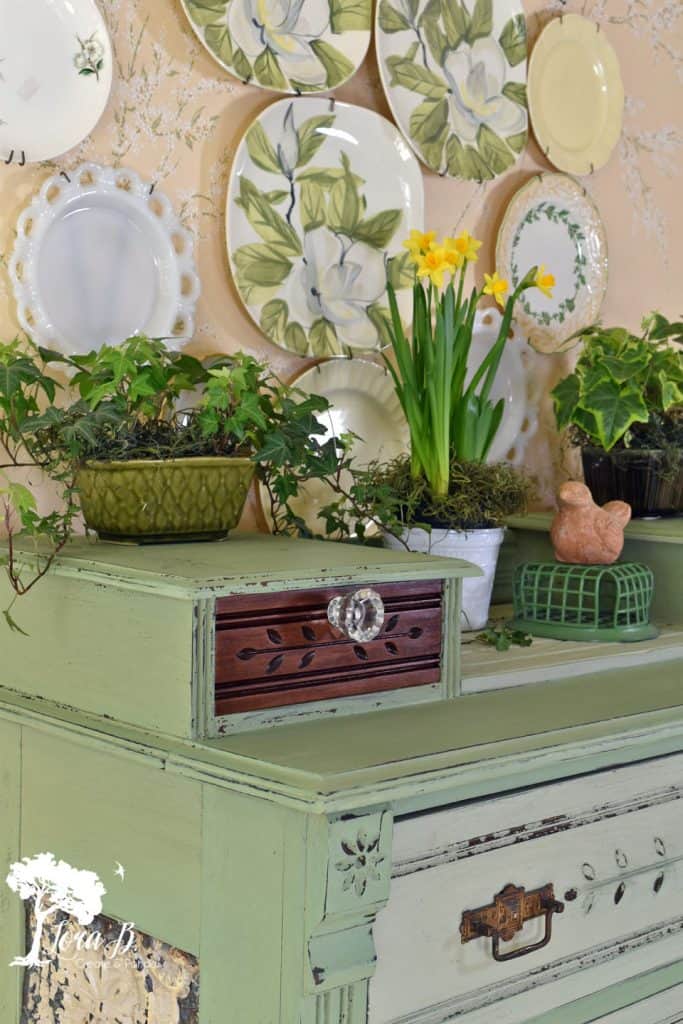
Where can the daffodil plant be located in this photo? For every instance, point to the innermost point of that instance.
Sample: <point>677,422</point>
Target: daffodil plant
<point>446,402</point>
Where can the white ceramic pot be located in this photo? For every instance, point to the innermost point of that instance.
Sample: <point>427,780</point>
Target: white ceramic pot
<point>481,547</point>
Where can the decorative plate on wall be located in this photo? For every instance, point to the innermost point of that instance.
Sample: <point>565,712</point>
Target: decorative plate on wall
<point>364,402</point>
<point>100,257</point>
<point>455,77</point>
<point>322,195</point>
<point>553,221</point>
<point>55,76</point>
<point>290,46</point>
<point>576,96</point>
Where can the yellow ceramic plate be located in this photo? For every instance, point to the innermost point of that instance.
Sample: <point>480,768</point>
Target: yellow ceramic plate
<point>575,94</point>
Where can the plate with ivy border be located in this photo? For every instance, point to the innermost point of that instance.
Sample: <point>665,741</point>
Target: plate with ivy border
<point>55,76</point>
<point>455,77</point>
<point>552,220</point>
<point>292,46</point>
<point>321,196</point>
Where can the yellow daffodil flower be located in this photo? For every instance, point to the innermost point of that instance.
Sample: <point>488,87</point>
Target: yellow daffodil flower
<point>465,245</point>
<point>545,281</point>
<point>419,242</point>
<point>454,258</point>
<point>495,286</point>
<point>433,264</point>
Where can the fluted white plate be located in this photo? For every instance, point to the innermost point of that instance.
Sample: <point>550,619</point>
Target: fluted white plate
<point>55,76</point>
<point>100,257</point>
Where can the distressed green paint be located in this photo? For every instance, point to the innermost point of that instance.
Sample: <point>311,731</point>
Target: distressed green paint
<point>12,936</point>
<point>95,807</point>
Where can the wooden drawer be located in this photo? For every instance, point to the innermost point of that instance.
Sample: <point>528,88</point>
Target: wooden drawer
<point>664,1008</point>
<point>279,649</point>
<point>610,843</point>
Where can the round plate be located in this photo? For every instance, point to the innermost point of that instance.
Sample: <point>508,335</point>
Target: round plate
<point>290,46</point>
<point>321,196</point>
<point>577,124</point>
<point>455,76</point>
<point>512,384</point>
<point>98,258</point>
<point>364,402</point>
<point>552,220</point>
<point>55,76</point>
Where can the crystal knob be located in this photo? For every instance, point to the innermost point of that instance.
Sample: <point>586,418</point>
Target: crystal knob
<point>359,616</point>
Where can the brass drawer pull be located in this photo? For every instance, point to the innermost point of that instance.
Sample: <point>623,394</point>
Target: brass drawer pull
<point>359,616</point>
<point>506,916</point>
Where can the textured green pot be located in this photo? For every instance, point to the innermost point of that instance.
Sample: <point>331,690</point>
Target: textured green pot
<point>152,501</point>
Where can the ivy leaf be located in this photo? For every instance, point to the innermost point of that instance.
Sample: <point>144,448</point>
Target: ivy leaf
<point>391,20</point>
<point>337,66</point>
<point>311,136</point>
<point>296,340</point>
<point>273,320</point>
<point>378,231</point>
<point>416,78</point>
<point>614,408</point>
<point>481,24</point>
<point>513,40</point>
<point>493,150</point>
<point>268,71</point>
<point>429,128</point>
<point>260,265</point>
<point>312,208</point>
<point>350,15</point>
<point>266,221</point>
<point>323,338</point>
<point>565,396</point>
<point>670,391</point>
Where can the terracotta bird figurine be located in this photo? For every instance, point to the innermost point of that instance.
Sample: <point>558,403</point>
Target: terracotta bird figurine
<point>582,533</point>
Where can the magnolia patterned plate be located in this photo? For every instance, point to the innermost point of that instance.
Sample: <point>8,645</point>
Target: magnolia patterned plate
<point>99,258</point>
<point>455,77</point>
<point>290,46</point>
<point>321,196</point>
<point>553,221</point>
<point>363,402</point>
<point>55,76</point>
<point>576,97</point>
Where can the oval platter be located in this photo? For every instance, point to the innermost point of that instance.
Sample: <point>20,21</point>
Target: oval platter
<point>55,76</point>
<point>577,128</point>
<point>321,196</point>
<point>552,220</point>
<point>288,46</point>
<point>455,77</point>
<point>100,257</point>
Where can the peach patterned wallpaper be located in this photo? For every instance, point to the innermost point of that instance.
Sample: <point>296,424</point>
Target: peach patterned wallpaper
<point>176,117</point>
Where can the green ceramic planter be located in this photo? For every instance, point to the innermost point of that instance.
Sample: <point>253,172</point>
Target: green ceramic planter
<point>156,501</point>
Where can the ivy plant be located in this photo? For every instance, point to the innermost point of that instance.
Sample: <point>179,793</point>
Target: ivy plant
<point>621,381</point>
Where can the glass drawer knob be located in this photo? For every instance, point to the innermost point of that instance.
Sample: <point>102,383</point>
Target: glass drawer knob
<point>359,616</point>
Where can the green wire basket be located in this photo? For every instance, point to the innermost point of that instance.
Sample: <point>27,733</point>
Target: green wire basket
<point>584,602</point>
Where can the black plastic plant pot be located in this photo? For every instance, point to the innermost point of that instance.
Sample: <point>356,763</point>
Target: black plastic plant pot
<point>645,479</point>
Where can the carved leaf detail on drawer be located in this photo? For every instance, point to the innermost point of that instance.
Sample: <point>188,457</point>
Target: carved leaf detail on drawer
<point>391,624</point>
<point>414,632</point>
<point>307,659</point>
<point>658,882</point>
<point>361,863</point>
<point>588,871</point>
<point>275,663</point>
<point>246,653</point>
<point>390,647</point>
<point>621,858</point>
<point>274,636</point>
<point>619,894</point>
<point>309,634</point>
<point>360,652</point>
<point>660,846</point>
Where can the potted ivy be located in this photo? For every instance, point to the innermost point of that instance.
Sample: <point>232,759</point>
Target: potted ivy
<point>623,407</point>
<point>444,496</point>
<point>147,444</point>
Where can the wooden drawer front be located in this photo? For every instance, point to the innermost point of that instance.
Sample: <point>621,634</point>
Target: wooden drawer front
<point>279,649</point>
<point>664,1008</point>
<point>611,843</point>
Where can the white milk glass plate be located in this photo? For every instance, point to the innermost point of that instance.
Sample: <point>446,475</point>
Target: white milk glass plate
<point>101,256</point>
<point>55,76</point>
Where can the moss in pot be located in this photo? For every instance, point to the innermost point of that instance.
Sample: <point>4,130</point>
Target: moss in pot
<point>623,407</point>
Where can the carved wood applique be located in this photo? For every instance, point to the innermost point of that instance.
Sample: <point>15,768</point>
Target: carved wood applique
<point>110,984</point>
<point>279,649</point>
<point>617,885</point>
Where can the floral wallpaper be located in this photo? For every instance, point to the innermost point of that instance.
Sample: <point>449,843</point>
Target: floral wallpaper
<point>176,116</point>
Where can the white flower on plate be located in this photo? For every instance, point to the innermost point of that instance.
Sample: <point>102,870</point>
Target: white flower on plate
<point>340,285</point>
<point>476,76</point>
<point>288,144</point>
<point>287,28</point>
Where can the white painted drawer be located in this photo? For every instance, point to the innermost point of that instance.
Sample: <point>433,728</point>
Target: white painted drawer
<point>664,1008</point>
<point>611,843</point>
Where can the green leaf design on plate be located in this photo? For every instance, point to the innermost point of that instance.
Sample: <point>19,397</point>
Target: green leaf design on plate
<point>260,265</point>
<point>311,137</point>
<point>295,339</point>
<point>268,72</point>
<point>378,231</point>
<point>322,338</point>
<point>513,40</point>
<point>313,206</point>
<point>431,29</point>
<point>261,151</point>
<point>337,66</point>
<point>273,320</point>
<point>276,197</point>
<point>494,151</point>
<point>326,177</point>
<point>481,23</point>
<point>429,128</point>
<point>266,221</point>
<point>517,142</point>
<point>207,12</point>
<point>241,65</point>
<point>219,42</point>
<point>400,271</point>
<point>391,20</point>
<point>516,91</point>
<point>465,162</point>
<point>345,203</point>
<point>456,22</point>
<point>350,15</point>
<point>416,78</point>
